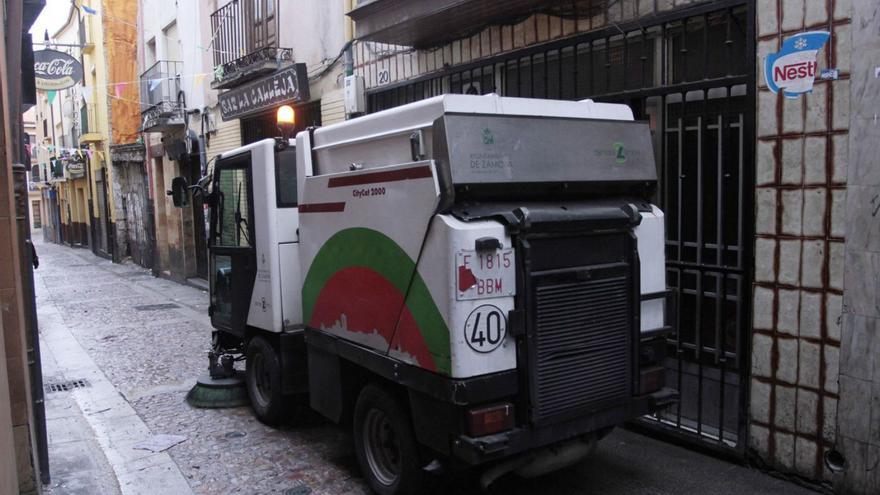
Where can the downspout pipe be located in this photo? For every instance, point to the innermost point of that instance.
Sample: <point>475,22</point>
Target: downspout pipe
<point>349,36</point>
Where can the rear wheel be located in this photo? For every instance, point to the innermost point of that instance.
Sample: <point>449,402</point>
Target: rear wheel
<point>263,377</point>
<point>385,444</point>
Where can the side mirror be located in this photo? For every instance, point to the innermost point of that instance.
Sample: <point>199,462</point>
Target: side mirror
<point>179,192</point>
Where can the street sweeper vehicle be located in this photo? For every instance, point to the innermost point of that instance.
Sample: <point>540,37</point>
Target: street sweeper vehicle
<point>472,282</point>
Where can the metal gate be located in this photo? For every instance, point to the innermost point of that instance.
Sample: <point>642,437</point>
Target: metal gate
<point>137,225</point>
<point>690,72</point>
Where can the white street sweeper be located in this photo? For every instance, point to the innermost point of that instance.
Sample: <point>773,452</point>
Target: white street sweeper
<point>469,281</point>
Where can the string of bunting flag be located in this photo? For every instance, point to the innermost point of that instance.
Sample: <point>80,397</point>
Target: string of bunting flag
<point>80,152</point>
<point>119,87</point>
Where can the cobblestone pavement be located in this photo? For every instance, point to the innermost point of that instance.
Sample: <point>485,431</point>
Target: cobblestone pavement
<point>153,354</point>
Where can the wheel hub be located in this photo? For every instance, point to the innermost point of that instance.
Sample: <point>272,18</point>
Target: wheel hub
<point>382,447</point>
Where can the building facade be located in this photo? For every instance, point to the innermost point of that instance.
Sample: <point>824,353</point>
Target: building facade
<point>65,186</point>
<point>174,88</point>
<point>94,109</point>
<point>771,240</point>
<point>259,42</point>
<point>201,65</point>
<point>23,440</point>
<point>78,127</point>
<point>35,198</point>
<point>123,168</point>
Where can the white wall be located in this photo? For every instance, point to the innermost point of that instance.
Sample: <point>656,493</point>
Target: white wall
<point>315,30</point>
<point>192,19</point>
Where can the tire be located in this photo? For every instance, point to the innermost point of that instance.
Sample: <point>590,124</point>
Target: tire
<point>385,444</point>
<point>263,378</point>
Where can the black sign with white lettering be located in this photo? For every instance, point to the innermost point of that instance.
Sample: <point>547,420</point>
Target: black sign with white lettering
<point>290,85</point>
<point>54,70</point>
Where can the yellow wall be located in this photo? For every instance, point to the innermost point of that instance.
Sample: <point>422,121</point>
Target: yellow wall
<point>95,64</point>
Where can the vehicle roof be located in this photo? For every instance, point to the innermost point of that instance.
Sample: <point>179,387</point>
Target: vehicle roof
<point>422,114</point>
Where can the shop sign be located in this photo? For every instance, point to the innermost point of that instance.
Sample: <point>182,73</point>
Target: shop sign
<point>54,70</point>
<point>76,170</point>
<point>793,69</point>
<point>57,168</point>
<point>290,85</point>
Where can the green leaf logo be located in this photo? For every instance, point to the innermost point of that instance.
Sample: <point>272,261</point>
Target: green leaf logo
<point>488,137</point>
<point>619,153</point>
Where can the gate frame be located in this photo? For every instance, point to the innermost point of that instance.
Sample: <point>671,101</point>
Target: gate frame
<point>746,209</point>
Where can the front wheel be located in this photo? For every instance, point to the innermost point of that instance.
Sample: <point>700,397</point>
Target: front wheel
<point>263,377</point>
<point>385,444</point>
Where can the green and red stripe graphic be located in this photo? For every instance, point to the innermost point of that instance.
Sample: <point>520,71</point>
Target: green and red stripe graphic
<point>364,275</point>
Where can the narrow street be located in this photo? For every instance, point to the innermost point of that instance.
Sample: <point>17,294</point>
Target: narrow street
<point>138,343</point>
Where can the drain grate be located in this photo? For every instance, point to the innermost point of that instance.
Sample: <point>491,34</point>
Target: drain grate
<point>156,307</point>
<point>66,386</point>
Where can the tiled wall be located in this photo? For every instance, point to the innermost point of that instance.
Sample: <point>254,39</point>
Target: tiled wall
<point>801,170</point>
<point>858,431</point>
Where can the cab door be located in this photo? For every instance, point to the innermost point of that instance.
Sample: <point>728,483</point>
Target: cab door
<point>233,263</point>
<point>287,231</point>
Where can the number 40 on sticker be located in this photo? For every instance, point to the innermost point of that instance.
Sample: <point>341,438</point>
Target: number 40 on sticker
<point>485,328</point>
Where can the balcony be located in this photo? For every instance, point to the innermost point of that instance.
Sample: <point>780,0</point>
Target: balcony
<point>85,35</point>
<point>426,23</point>
<point>246,42</point>
<point>160,85</point>
<point>88,124</point>
<point>251,66</point>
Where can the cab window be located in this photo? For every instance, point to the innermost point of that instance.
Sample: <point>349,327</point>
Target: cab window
<point>233,222</point>
<point>285,178</point>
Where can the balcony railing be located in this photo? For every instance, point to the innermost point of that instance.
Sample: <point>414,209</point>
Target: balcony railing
<point>160,86</point>
<point>245,42</point>
<point>85,34</point>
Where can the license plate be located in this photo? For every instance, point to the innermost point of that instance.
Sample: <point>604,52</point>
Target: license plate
<point>485,274</point>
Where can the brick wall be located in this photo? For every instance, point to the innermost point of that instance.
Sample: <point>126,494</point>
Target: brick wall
<point>226,137</point>
<point>800,198</point>
<point>332,107</point>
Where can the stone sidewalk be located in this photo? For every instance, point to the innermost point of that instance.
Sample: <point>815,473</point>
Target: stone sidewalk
<point>141,341</point>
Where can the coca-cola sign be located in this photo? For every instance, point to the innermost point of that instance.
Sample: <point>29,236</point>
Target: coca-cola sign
<point>54,70</point>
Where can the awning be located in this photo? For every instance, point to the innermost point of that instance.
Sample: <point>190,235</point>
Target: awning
<point>422,23</point>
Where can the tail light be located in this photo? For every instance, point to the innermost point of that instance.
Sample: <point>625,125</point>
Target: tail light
<point>651,379</point>
<point>652,374</point>
<point>488,420</point>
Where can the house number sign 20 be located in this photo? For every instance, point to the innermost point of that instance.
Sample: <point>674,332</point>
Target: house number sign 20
<point>384,76</point>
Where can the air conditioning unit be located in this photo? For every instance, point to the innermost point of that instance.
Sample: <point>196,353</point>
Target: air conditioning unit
<point>354,95</point>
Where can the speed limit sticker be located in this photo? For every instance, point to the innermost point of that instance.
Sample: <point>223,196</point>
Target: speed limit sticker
<point>485,328</point>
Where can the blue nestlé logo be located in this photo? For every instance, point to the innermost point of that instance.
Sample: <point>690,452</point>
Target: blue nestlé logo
<point>793,68</point>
